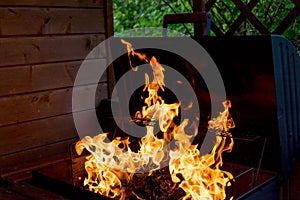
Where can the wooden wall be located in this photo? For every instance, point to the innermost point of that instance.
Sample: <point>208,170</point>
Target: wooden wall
<point>42,44</point>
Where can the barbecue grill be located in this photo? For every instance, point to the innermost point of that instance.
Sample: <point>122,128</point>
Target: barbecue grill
<point>261,75</point>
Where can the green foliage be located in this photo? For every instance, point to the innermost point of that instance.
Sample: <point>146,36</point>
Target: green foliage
<point>129,14</point>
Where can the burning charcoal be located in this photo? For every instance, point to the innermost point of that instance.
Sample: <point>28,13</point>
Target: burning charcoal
<point>177,193</point>
<point>148,152</point>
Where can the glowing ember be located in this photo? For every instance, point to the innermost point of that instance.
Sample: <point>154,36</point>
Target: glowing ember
<point>112,166</point>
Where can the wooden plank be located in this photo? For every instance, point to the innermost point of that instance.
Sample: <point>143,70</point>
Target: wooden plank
<point>185,18</point>
<point>237,23</point>
<point>53,3</point>
<point>33,192</point>
<point>23,176</point>
<point>209,4</point>
<point>251,17</point>
<point>36,133</point>
<point>40,21</point>
<point>27,107</point>
<point>33,158</point>
<point>199,7</point>
<point>110,32</point>
<point>216,30</point>
<point>109,18</point>
<point>34,50</point>
<point>23,79</point>
<point>287,21</point>
<point>61,171</point>
<point>6,194</point>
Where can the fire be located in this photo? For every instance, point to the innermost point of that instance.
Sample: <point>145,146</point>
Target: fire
<point>112,165</point>
<point>202,177</point>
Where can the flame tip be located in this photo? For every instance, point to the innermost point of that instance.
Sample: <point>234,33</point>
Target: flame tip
<point>112,165</point>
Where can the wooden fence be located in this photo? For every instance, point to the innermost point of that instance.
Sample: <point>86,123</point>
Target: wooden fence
<point>245,13</point>
<point>42,45</point>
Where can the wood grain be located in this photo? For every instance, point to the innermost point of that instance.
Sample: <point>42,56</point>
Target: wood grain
<point>40,21</point>
<point>33,192</point>
<point>21,108</point>
<point>32,78</point>
<point>20,161</point>
<point>42,45</point>
<point>251,17</point>
<point>34,50</point>
<point>287,21</point>
<point>53,3</point>
<point>8,194</point>
<point>37,133</point>
<point>109,18</point>
<point>239,20</point>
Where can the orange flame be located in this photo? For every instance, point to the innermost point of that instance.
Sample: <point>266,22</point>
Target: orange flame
<point>111,165</point>
<point>202,177</point>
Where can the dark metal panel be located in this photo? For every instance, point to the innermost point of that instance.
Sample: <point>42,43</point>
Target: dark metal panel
<point>287,81</point>
<point>267,190</point>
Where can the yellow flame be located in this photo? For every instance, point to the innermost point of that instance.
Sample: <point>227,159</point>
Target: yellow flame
<point>202,177</point>
<point>111,165</point>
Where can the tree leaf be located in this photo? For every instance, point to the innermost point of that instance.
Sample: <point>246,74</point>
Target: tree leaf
<point>290,6</point>
<point>289,33</point>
